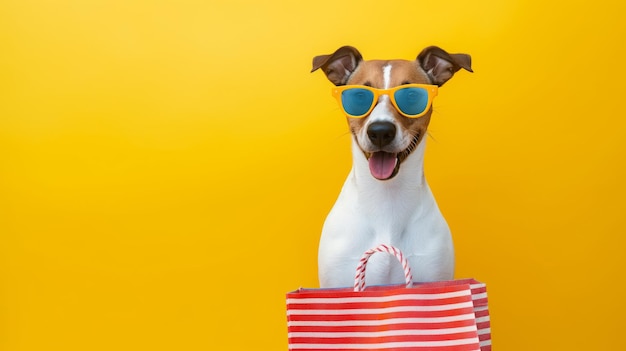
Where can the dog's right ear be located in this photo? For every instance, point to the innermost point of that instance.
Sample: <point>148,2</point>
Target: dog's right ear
<point>339,65</point>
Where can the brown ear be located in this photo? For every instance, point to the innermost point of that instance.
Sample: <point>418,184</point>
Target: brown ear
<point>441,66</point>
<point>339,65</point>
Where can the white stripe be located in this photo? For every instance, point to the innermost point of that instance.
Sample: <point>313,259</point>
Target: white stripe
<point>479,296</point>
<point>454,306</point>
<point>390,321</point>
<point>386,76</point>
<point>374,299</point>
<point>386,345</point>
<point>480,308</point>
<point>485,343</point>
<point>482,319</point>
<point>477,286</point>
<point>484,331</point>
<point>381,334</point>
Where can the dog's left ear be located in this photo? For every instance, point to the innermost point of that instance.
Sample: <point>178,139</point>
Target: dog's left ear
<point>440,65</point>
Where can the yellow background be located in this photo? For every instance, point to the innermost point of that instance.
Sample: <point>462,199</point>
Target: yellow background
<point>166,166</point>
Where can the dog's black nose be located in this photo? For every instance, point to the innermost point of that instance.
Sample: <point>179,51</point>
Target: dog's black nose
<point>381,133</point>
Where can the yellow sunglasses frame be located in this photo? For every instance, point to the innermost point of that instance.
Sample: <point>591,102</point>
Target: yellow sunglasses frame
<point>432,91</point>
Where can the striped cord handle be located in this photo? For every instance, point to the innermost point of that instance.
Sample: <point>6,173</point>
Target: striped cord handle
<point>359,278</point>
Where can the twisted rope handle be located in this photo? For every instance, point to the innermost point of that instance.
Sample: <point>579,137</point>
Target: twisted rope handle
<point>359,278</point>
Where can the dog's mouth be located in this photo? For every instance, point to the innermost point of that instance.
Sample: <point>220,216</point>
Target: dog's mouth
<point>383,165</point>
<point>386,165</point>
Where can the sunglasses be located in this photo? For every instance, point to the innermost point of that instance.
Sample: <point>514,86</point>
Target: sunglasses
<point>411,100</point>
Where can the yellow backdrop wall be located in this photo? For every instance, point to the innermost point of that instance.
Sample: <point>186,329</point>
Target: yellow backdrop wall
<point>166,166</point>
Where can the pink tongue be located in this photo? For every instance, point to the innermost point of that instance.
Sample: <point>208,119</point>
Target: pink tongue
<point>382,164</point>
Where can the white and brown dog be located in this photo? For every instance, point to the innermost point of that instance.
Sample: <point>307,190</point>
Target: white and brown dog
<point>386,199</point>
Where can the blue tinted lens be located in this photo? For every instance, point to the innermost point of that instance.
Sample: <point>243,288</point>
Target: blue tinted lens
<point>357,101</point>
<point>412,101</point>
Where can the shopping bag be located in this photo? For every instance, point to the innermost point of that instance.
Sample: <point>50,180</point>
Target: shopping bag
<point>481,308</point>
<point>431,316</point>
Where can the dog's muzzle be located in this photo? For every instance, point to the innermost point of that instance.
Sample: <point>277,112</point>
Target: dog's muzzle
<point>383,165</point>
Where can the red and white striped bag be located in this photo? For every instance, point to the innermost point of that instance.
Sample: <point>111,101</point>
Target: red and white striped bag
<point>442,316</point>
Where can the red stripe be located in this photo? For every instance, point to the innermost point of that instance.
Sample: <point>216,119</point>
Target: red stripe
<point>479,290</point>
<point>483,325</point>
<point>374,291</point>
<point>481,302</point>
<point>385,339</point>
<point>381,316</point>
<point>377,328</point>
<point>372,305</point>
<point>398,301</point>
<point>484,313</point>
<point>445,283</point>
<point>411,348</point>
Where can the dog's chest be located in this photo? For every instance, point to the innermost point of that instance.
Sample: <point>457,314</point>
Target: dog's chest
<point>355,225</point>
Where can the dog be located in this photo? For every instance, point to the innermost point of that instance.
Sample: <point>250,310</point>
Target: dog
<point>385,198</point>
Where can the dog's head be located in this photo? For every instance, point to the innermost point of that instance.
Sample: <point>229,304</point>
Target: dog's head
<point>385,134</point>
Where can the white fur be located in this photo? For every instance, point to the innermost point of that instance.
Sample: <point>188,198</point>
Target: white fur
<point>386,76</point>
<point>400,211</point>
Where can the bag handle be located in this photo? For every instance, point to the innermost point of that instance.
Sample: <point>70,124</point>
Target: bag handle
<point>359,278</point>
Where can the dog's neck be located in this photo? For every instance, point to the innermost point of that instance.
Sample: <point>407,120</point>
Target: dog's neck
<point>390,204</point>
